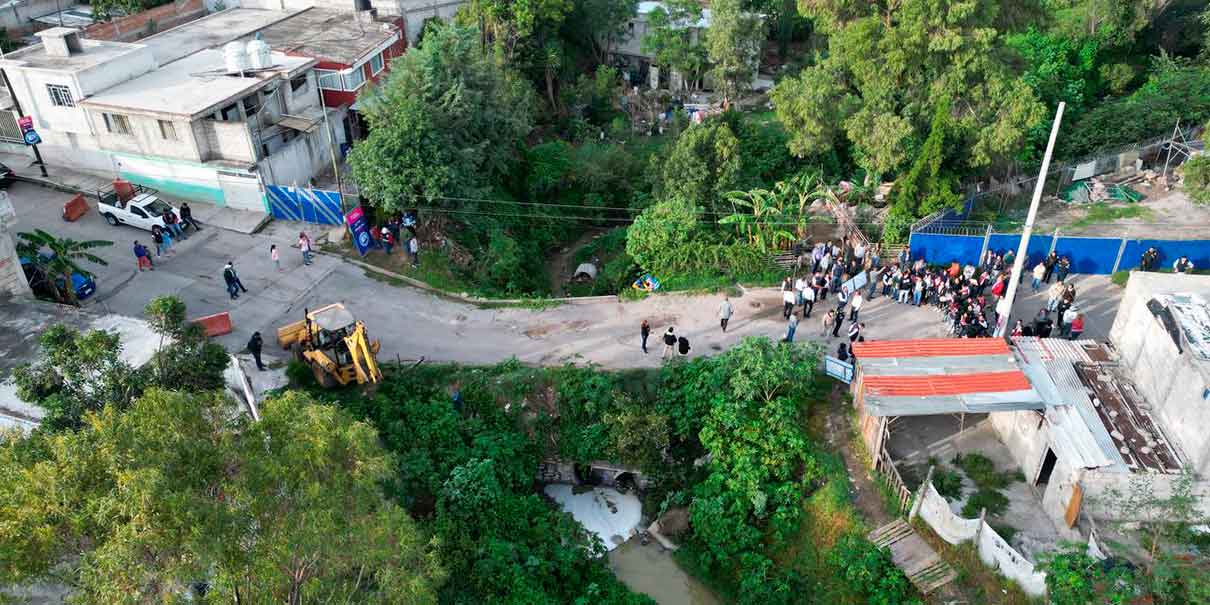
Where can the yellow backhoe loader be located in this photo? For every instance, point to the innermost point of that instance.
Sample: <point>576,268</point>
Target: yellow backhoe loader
<point>334,344</point>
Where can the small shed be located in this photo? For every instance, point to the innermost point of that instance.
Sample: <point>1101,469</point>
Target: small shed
<point>925,377</point>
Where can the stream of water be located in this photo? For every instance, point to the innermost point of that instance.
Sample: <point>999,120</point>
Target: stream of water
<point>652,571</point>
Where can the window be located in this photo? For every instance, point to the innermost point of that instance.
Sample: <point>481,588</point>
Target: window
<point>116,123</point>
<point>251,105</point>
<point>138,212</point>
<point>355,78</point>
<point>376,64</point>
<point>167,130</point>
<point>329,79</point>
<point>60,95</point>
<point>299,83</point>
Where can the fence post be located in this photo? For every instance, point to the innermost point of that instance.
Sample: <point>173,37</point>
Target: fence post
<point>920,491</point>
<point>987,236</point>
<point>1054,241</point>
<point>1117,262</point>
<point>982,523</point>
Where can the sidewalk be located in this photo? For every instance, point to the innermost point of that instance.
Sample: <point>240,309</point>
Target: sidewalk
<point>69,180</point>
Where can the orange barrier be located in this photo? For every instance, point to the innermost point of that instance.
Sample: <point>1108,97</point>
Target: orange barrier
<point>215,325</point>
<point>75,208</point>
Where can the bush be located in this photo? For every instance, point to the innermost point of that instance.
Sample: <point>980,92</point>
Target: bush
<point>1197,179</point>
<point>990,499</point>
<point>948,483</point>
<point>982,471</point>
<point>871,572</point>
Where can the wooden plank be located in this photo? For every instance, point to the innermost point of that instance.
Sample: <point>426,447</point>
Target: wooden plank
<point>910,553</point>
<point>1073,506</point>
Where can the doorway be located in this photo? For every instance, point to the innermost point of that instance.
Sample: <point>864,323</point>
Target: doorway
<point>1048,467</point>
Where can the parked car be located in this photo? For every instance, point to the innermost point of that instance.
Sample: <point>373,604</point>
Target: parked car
<point>143,210</point>
<point>84,285</point>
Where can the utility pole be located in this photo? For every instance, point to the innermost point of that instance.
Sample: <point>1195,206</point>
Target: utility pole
<point>17,103</point>
<point>1005,307</point>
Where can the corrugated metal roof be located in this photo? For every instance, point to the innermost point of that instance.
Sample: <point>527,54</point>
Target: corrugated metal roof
<point>952,384</point>
<point>970,403</point>
<point>930,347</point>
<point>908,366</point>
<point>1047,349</point>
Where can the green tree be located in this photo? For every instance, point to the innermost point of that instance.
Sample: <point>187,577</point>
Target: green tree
<point>145,504</point>
<point>447,122</point>
<point>600,25</point>
<point>733,44</point>
<point>890,64</point>
<point>871,570</point>
<point>1073,577</point>
<point>659,231</point>
<point>673,38</point>
<point>1197,178</point>
<point>185,356</point>
<point>59,258</point>
<point>930,184</point>
<point>704,166</point>
<point>78,373</point>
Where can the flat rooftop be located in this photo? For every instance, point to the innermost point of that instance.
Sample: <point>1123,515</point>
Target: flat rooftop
<point>211,31</point>
<point>95,52</point>
<point>193,86</point>
<point>328,35</point>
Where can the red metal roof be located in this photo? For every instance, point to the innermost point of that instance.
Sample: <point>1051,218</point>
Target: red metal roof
<point>960,384</point>
<point>930,347</point>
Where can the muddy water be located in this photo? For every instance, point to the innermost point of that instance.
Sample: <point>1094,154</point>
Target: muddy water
<point>652,571</point>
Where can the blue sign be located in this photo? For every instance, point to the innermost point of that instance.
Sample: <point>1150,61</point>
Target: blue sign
<point>32,138</point>
<point>840,370</point>
<point>360,229</point>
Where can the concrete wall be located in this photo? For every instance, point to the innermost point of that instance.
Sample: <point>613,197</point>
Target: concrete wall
<point>1025,435</point>
<point>1107,495</point>
<point>17,14</point>
<point>295,162</point>
<point>146,138</point>
<point>224,141</point>
<point>145,23</point>
<point>12,277</point>
<point>1172,382</point>
<point>186,180</point>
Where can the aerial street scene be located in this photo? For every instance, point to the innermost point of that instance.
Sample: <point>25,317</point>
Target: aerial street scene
<point>605,302</point>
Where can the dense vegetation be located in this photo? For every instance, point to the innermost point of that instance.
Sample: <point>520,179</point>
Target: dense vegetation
<point>510,132</point>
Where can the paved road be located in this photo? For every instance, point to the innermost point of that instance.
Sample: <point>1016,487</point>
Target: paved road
<point>413,323</point>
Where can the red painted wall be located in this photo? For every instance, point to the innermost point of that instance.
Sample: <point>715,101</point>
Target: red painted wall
<point>336,98</point>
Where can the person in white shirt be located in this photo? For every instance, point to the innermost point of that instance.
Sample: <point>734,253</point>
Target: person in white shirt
<point>787,298</point>
<point>725,311</point>
<point>855,306</point>
<point>800,284</point>
<point>808,301</point>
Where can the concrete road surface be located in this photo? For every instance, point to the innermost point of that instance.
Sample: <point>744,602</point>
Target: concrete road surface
<point>412,323</point>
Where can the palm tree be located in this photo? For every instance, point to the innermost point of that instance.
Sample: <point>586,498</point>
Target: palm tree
<point>65,254</point>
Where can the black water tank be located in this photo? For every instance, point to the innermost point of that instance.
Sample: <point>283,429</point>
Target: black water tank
<point>362,5</point>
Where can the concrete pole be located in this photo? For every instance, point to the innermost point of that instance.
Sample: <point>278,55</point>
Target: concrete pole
<point>1005,306</point>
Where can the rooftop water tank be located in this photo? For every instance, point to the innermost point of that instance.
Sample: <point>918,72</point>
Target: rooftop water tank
<point>235,56</point>
<point>258,54</point>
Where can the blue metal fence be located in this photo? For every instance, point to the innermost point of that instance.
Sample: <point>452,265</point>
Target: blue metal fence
<point>307,205</point>
<point>1092,255</point>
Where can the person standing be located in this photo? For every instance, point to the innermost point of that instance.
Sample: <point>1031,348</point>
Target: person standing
<point>917,291</point>
<point>1182,265</point>
<point>1077,326</point>
<point>842,299</point>
<point>273,255</point>
<point>388,240</point>
<point>837,321</point>
<point>142,257</point>
<point>787,303</point>
<point>725,311</point>
<point>414,251</point>
<point>234,276</point>
<point>827,321</point>
<point>255,344</point>
<point>1067,320</point>
<point>1053,294</point>
<point>791,327</point>
<point>644,332</point>
<point>187,217</point>
<point>304,244</point>
<point>855,332</point>
<point>229,279</point>
<point>157,238</point>
<point>1063,268</point>
<point>1039,271</point>
<point>669,342</point>
<point>1049,263</point>
<point>855,305</point>
<point>174,224</point>
<point>808,301</point>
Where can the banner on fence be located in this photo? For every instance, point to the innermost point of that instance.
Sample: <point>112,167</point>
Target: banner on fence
<point>840,370</point>
<point>305,204</point>
<point>360,228</point>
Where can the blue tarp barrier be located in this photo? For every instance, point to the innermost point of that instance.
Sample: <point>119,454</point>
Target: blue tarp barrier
<point>307,205</point>
<point>1089,255</point>
<point>1198,251</point>
<point>943,249</point>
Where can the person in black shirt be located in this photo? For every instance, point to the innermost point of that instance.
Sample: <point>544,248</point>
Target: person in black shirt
<point>669,342</point>
<point>644,332</point>
<point>254,345</point>
<point>683,346</point>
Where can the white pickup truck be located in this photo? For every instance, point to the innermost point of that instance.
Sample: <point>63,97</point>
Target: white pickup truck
<point>143,210</point>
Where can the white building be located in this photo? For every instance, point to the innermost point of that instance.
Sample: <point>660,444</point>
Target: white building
<point>173,113</point>
<point>1162,333</point>
<point>413,12</point>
